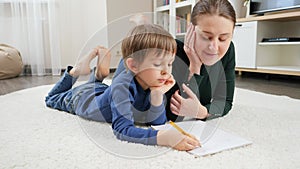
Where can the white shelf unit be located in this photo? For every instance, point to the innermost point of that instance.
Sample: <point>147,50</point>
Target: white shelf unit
<point>173,15</point>
<point>163,8</point>
<point>245,39</point>
<point>252,55</point>
<point>280,68</point>
<point>278,43</point>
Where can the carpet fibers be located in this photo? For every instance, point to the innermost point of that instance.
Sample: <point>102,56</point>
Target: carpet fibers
<point>34,136</point>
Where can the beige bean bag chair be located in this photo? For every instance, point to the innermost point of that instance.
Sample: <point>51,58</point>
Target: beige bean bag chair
<point>10,62</point>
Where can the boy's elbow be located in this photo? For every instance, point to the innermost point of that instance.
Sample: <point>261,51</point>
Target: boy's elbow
<point>119,136</point>
<point>120,133</point>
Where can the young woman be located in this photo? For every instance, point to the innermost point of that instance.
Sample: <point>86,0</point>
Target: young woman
<point>209,56</point>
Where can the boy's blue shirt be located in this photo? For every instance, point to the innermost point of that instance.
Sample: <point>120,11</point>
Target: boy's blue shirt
<point>124,103</point>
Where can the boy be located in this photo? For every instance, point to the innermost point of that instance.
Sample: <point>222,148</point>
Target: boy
<point>135,95</point>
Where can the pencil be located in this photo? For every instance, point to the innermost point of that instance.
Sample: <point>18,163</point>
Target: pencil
<point>181,130</point>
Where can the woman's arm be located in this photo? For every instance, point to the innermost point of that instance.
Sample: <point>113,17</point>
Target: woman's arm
<point>194,59</point>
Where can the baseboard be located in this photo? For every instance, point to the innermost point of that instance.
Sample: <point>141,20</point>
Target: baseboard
<point>27,70</point>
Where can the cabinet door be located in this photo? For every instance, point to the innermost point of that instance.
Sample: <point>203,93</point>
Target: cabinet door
<point>244,39</point>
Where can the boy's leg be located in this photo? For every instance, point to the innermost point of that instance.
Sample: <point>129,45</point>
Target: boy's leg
<point>61,93</point>
<point>64,84</point>
<point>103,63</point>
<point>93,77</point>
<point>82,66</point>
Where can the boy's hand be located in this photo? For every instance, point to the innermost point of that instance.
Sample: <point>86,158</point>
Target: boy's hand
<point>176,140</point>
<point>158,92</point>
<point>170,82</point>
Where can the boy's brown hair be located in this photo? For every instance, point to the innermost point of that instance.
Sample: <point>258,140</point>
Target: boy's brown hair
<point>144,38</point>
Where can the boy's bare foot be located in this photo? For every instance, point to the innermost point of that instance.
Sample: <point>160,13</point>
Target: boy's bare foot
<point>82,66</point>
<point>103,63</point>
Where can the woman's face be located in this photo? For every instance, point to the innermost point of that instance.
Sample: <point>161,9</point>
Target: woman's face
<point>213,37</point>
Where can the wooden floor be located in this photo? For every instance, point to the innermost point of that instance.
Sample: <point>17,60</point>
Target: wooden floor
<point>272,84</point>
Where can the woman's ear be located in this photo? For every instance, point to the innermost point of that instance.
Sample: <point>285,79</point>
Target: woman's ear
<point>132,65</point>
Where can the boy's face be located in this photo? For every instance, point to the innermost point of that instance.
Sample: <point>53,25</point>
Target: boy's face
<point>155,69</point>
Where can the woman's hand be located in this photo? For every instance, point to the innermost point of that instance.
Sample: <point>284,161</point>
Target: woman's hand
<point>176,140</point>
<point>190,106</point>
<point>157,92</point>
<point>189,48</point>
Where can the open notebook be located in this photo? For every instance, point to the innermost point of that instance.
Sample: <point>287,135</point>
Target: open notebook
<point>213,139</point>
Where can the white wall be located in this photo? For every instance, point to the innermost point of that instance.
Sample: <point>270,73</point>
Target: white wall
<point>79,20</point>
<point>118,13</point>
<point>240,10</point>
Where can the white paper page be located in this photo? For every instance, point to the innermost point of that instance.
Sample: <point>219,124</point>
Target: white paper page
<point>213,139</point>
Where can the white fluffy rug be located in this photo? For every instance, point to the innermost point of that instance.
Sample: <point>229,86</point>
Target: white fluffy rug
<point>34,136</point>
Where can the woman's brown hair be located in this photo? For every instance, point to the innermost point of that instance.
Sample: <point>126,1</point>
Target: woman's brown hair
<point>213,7</point>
